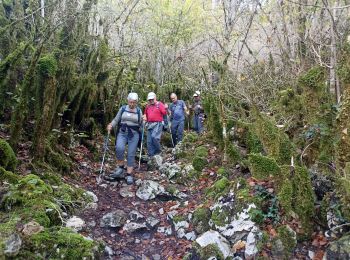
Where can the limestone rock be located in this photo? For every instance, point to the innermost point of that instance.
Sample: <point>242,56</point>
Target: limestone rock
<point>126,192</point>
<point>170,169</point>
<point>135,215</point>
<point>13,245</point>
<point>152,222</point>
<point>75,223</point>
<point>133,226</point>
<point>92,195</point>
<point>251,246</point>
<point>149,190</point>
<point>32,228</point>
<point>339,249</point>
<point>113,219</point>
<point>214,238</point>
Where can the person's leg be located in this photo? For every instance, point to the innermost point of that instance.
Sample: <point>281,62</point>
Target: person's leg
<point>132,147</point>
<point>150,148</point>
<point>120,149</point>
<point>174,126</point>
<point>180,131</point>
<point>200,123</point>
<point>156,135</point>
<point>195,123</point>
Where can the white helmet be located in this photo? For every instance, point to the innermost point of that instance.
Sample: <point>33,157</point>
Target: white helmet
<point>133,96</point>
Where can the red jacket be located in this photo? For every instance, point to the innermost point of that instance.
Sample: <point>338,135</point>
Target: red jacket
<point>155,113</point>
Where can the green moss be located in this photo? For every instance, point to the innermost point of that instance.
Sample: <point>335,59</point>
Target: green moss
<point>57,159</point>
<point>190,138</point>
<point>8,176</point>
<point>178,218</point>
<point>222,172</point>
<point>200,220</point>
<point>303,198</point>
<point>288,239</point>
<point>220,217</point>
<point>209,251</point>
<point>285,196</point>
<point>201,151</point>
<point>343,191</point>
<point>199,163</point>
<point>7,228</point>
<point>219,188</point>
<point>233,153</point>
<point>253,143</point>
<point>47,65</point>
<point>7,157</point>
<point>171,189</point>
<point>60,244</point>
<point>262,167</point>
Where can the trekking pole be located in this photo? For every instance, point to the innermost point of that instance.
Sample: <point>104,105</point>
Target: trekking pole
<point>171,134</point>
<point>142,134</point>
<point>105,148</point>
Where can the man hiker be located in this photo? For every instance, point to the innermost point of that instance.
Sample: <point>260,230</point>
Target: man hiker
<point>198,111</point>
<point>178,110</point>
<point>128,124</point>
<point>154,113</point>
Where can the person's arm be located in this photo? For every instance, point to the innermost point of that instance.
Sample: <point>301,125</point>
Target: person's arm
<point>162,109</point>
<point>185,108</point>
<point>115,121</point>
<point>145,115</point>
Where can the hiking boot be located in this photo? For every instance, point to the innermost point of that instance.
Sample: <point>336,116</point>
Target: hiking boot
<point>129,180</point>
<point>119,173</point>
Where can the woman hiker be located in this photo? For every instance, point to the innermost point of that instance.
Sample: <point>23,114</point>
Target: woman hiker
<point>128,123</point>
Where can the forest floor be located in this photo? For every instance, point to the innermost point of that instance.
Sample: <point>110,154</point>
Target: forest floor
<point>150,243</point>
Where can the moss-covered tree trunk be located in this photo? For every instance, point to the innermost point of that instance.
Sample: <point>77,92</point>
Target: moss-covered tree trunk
<point>44,121</point>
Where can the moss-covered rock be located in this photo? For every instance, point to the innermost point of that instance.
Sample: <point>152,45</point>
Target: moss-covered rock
<point>61,244</point>
<point>8,158</point>
<point>288,238</point>
<point>201,151</point>
<point>199,163</point>
<point>223,172</point>
<point>200,219</point>
<point>8,176</point>
<point>7,228</point>
<point>219,188</point>
<point>262,167</point>
<point>343,191</point>
<point>220,217</point>
<point>253,143</point>
<point>211,251</point>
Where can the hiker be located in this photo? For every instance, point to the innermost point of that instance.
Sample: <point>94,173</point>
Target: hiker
<point>178,110</point>
<point>154,113</point>
<point>198,111</point>
<point>127,123</point>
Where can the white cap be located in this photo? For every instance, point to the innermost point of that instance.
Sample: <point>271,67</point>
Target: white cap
<point>151,95</point>
<point>198,93</point>
<point>133,96</point>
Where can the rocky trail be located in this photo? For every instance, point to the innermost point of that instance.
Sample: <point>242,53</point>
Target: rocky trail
<point>139,221</point>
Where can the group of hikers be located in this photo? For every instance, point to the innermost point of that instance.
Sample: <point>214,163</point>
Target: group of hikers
<point>130,122</point>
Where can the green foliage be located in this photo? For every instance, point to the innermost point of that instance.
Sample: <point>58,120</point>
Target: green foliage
<point>47,65</point>
<point>262,167</point>
<point>267,206</point>
<point>7,228</point>
<point>314,78</point>
<point>8,158</point>
<point>343,191</point>
<point>199,163</point>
